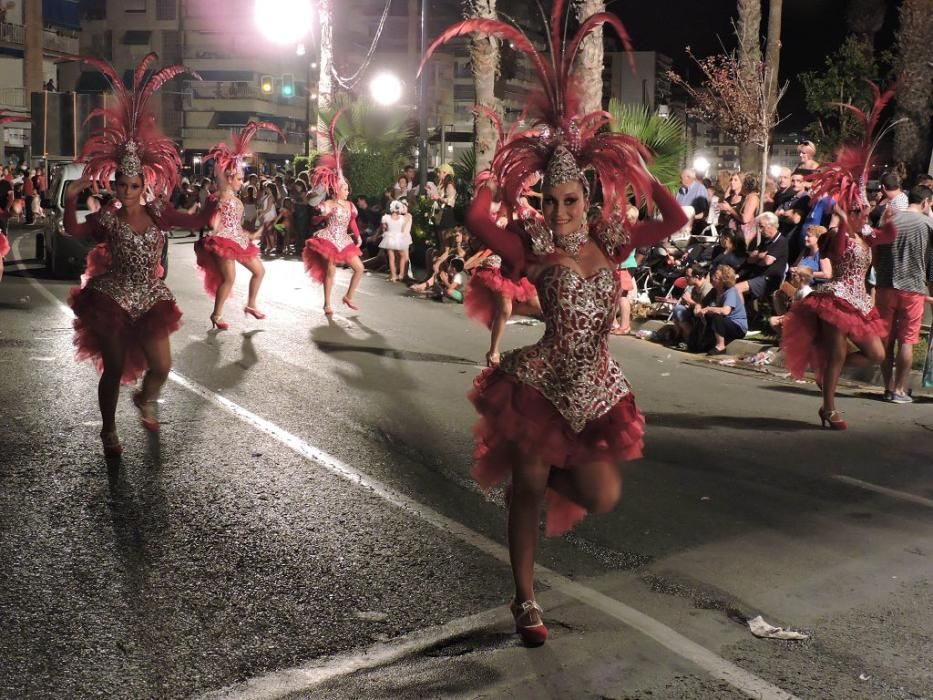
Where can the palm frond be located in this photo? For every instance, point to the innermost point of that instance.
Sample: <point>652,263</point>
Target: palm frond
<point>664,138</point>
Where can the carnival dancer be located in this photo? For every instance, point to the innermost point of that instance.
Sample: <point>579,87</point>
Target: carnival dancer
<point>4,249</point>
<point>228,244</point>
<point>6,118</point>
<point>333,244</point>
<point>396,240</point>
<point>490,293</point>
<point>124,311</point>
<point>818,328</point>
<point>558,416</point>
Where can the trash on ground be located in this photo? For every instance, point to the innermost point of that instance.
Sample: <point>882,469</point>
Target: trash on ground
<point>762,629</point>
<point>864,677</point>
<point>522,322</point>
<point>370,615</point>
<point>644,334</point>
<point>729,361</point>
<point>761,359</point>
<point>665,374</point>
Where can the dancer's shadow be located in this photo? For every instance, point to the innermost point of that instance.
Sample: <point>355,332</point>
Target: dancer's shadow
<point>699,421</point>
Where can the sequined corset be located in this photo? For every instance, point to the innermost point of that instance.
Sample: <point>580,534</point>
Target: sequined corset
<point>336,229</point>
<point>849,276</point>
<point>132,280</point>
<point>231,221</point>
<point>493,262</point>
<point>571,365</point>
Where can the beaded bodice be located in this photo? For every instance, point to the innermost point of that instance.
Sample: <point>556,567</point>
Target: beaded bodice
<point>132,279</point>
<point>493,262</point>
<point>571,365</point>
<point>849,272</point>
<point>338,221</point>
<point>231,221</point>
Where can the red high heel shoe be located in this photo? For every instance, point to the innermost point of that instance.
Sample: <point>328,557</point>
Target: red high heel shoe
<point>146,412</point>
<point>347,302</point>
<point>535,633</point>
<point>832,419</point>
<point>112,446</point>
<point>218,323</point>
<point>254,312</point>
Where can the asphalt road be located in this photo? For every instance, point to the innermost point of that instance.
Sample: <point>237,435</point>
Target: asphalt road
<point>305,527</point>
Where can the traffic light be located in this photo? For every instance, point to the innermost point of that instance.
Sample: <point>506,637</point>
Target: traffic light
<point>266,85</point>
<point>288,85</point>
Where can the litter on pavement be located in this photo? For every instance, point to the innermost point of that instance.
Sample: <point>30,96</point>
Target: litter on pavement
<point>762,629</point>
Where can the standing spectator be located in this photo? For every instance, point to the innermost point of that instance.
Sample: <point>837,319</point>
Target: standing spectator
<point>623,325</point>
<point>806,151</point>
<point>785,188</point>
<point>284,227</point>
<point>894,196</point>
<point>268,213</point>
<point>791,224</point>
<point>49,85</point>
<point>446,197</point>
<point>904,274</point>
<point>412,176</point>
<point>401,189</point>
<point>742,216</point>
<point>42,185</point>
<point>29,191</point>
<point>6,191</point>
<point>726,321</point>
<point>692,193</point>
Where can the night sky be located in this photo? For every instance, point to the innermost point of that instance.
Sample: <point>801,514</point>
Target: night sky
<point>811,29</point>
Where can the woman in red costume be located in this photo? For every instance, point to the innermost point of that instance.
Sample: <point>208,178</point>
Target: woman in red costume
<point>490,293</point>
<point>333,244</point>
<point>817,329</point>
<point>559,416</point>
<point>4,250</point>
<point>228,243</point>
<point>124,312</point>
<point>6,118</point>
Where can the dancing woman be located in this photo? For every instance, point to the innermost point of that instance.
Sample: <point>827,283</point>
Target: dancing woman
<point>124,312</point>
<point>4,250</point>
<point>816,329</point>
<point>333,244</point>
<point>558,416</point>
<point>228,244</point>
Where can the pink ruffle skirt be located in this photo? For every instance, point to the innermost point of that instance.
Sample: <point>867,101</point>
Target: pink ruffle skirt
<point>210,250</point>
<point>319,252</point>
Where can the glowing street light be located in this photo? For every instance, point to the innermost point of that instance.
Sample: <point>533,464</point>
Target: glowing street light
<point>701,165</point>
<point>775,171</point>
<point>283,21</point>
<point>386,89</point>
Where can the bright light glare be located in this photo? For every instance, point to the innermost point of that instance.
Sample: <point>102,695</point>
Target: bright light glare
<point>775,170</point>
<point>386,88</point>
<point>701,165</point>
<point>283,21</point>
<point>300,50</point>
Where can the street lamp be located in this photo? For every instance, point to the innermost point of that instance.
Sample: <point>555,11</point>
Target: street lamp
<point>283,21</point>
<point>385,88</point>
<point>775,171</point>
<point>701,165</point>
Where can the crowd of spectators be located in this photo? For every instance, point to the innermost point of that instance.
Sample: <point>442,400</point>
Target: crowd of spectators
<point>23,191</point>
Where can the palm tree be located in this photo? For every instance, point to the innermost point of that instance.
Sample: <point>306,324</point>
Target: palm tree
<point>589,70</point>
<point>748,30</point>
<point>773,49</point>
<point>484,52</point>
<point>915,91</point>
<point>325,85</point>
<point>664,138</point>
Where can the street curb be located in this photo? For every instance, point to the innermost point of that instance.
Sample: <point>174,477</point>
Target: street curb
<point>743,348</point>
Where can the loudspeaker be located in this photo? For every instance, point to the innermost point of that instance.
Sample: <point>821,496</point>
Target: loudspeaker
<point>58,123</point>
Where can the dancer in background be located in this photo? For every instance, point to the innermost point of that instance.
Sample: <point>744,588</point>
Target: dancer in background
<point>6,118</point>
<point>333,244</point>
<point>228,244</point>
<point>559,416</point>
<point>817,329</point>
<point>4,249</point>
<point>124,312</point>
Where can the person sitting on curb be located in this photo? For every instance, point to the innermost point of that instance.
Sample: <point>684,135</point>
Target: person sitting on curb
<point>726,321</point>
<point>450,281</point>
<point>795,289</point>
<point>698,293</point>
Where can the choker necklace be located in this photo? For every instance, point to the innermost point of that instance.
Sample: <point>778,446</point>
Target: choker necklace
<point>572,242</point>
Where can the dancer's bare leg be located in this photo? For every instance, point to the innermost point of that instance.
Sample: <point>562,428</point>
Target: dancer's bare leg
<point>228,272</point>
<point>529,482</point>
<point>329,285</point>
<point>258,271</point>
<point>836,352</point>
<point>502,314</point>
<point>357,266</point>
<point>113,354</point>
<point>391,255</point>
<point>596,486</point>
<point>158,354</point>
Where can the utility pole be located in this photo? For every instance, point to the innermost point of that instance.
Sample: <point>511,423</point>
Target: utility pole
<point>422,107</point>
<point>33,76</point>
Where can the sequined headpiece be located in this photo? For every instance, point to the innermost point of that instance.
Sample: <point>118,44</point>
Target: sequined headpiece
<point>845,178</point>
<point>228,159</point>
<point>561,142</point>
<point>130,142</point>
<point>328,171</point>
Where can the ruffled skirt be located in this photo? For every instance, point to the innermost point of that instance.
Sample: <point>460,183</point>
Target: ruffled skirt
<point>395,240</point>
<point>210,250</point>
<point>4,246</point>
<point>319,252</point>
<point>800,342</point>
<point>516,415</point>
<point>97,316</point>
<point>484,288</point>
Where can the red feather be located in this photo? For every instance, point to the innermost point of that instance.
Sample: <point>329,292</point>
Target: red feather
<point>228,159</point>
<point>328,170</point>
<point>141,69</point>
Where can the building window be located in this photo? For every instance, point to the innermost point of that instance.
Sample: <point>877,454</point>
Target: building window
<point>166,9</point>
<point>94,9</point>
<point>136,37</point>
<point>134,5</point>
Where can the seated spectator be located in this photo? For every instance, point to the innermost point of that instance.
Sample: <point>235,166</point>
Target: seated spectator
<point>798,200</point>
<point>698,293</point>
<point>785,189</point>
<point>820,266</point>
<point>792,225</point>
<point>796,288</point>
<point>767,262</point>
<point>730,251</point>
<point>726,321</point>
<point>450,281</point>
<point>453,247</point>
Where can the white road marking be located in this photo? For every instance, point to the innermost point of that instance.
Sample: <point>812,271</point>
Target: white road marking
<point>716,666</point>
<point>893,493</point>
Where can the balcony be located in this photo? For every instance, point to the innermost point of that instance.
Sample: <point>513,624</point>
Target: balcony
<point>13,97</point>
<point>242,96</point>
<point>57,42</point>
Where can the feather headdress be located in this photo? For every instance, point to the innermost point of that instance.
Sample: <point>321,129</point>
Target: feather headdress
<point>229,159</point>
<point>563,143</point>
<point>845,178</point>
<point>130,142</point>
<point>328,171</point>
